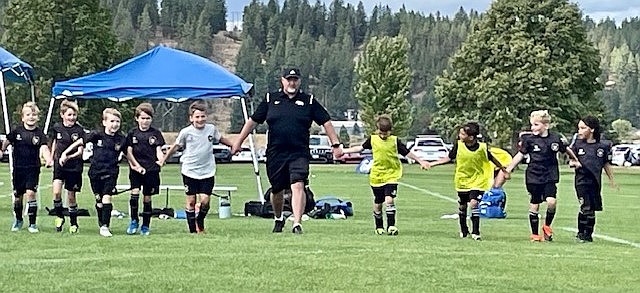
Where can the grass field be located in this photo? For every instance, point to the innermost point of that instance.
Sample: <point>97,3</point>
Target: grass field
<point>242,255</point>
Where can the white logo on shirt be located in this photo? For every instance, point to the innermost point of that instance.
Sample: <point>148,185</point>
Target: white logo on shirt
<point>555,146</point>
<point>300,103</point>
<point>276,102</point>
<point>18,137</point>
<point>58,135</point>
<point>99,143</point>
<point>581,152</point>
<point>134,140</point>
<point>35,140</point>
<point>536,148</point>
<point>600,153</point>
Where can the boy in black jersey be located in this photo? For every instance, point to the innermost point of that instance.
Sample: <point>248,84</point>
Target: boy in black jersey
<point>67,164</point>
<point>593,157</point>
<point>28,142</point>
<point>542,172</point>
<point>103,172</point>
<point>144,152</point>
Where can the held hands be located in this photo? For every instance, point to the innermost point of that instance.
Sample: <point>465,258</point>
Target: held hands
<point>424,165</point>
<point>236,148</point>
<point>140,169</point>
<point>337,152</point>
<point>574,164</point>
<point>63,159</point>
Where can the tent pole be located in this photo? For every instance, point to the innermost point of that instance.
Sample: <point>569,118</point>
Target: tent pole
<point>33,92</point>
<point>7,129</point>
<point>49,113</point>
<point>254,158</point>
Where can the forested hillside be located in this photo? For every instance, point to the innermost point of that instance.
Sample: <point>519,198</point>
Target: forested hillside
<point>323,41</point>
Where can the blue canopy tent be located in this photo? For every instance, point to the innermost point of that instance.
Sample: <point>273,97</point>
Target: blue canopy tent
<point>160,73</point>
<point>16,70</point>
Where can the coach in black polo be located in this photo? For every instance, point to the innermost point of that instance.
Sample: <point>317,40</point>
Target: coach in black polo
<point>289,113</point>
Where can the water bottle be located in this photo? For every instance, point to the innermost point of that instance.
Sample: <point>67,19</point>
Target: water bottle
<point>224,208</point>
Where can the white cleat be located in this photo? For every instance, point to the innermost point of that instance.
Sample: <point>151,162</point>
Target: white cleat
<point>104,231</point>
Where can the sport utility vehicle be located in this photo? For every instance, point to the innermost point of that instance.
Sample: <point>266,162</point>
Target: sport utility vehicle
<point>429,147</point>
<point>320,149</point>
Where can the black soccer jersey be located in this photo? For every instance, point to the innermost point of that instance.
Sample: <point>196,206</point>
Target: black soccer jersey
<point>106,150</point>
<point>144,144</point>
<point>543,157</point>
<point>26,146</point>
<point>289,122</point>
<point>592,157</point>
<point>63,137</point>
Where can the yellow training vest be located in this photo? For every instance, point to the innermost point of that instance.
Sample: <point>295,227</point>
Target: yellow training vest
<point>473,168</point>
<point>386,165</point>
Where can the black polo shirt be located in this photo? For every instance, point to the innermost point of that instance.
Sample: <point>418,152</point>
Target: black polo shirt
<point>289,121</point>
<point>144,146</point>
<point>543,157</point>
<point>593,157</point>
<point>63,137</point>
<point>26,146</point>
<point>106,150</point>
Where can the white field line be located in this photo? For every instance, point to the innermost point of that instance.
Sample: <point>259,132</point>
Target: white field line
<point>600,236</point>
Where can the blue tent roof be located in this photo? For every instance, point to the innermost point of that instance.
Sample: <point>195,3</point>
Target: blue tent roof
<point>13,68</point>
<point>160,73</point>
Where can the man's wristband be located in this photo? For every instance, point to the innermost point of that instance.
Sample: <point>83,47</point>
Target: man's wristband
<point>335,145</point>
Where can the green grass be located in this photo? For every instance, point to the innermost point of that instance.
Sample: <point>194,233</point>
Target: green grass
<point>242,255</point>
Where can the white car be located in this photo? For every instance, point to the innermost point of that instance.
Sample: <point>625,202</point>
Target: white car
<point>429,148</point>
<point>618,153</point>
<point>244,155</point>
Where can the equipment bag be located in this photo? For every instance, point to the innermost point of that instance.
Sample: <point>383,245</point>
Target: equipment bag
<point>331,205</point>
<point>493,203</point>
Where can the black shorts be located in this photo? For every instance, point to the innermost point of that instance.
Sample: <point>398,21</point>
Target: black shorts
<point>150,181</point>
<point>198,186</point>
<point>25,179</point>
<point>540,192</point>
<point>103,184</point>
<point>467,196</point>
<point>380,192</point>
<point>283,173</point>
<point>72,179</point>
<point>590,197</point>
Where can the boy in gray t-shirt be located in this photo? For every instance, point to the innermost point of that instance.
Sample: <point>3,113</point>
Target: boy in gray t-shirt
<point>198,163</point>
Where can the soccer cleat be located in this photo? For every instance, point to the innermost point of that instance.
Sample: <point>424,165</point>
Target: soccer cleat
<point>297,229</point>
<point>199,230</point>
<point>104,231</point>
<point>536,238</point>
<point>586,238</point>
<point>476,237</point>
<point>59,222</point>
<point>548,233</point>
<point>278,226</point>
<point>380,231</point>
<point>464,234</point>
<point>73,229</point>
<point>144,231</point>
<point>133,227</point>
<point>33,228</point>
<point>392,230</point>
<point>17,225</point>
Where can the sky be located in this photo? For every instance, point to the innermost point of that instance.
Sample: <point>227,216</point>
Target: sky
<point>596,9</point>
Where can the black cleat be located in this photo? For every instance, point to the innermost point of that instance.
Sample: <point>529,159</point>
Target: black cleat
<point>277,227</point>
<point>297,229</point>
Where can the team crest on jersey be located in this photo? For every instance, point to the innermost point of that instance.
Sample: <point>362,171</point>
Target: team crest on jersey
<point>117,147</point>
<point>18,137</point>
<point>600,153</point>
<point>134,140</point>
<point>299,103</point>
<point>581,152</point>
<point>555,146</point>
<point>276,102</point>
<point>152,140</point>
<point>58,135</point>
<point>210,137</point>
<point>536,148</point>
<point>74,136</point>
<point>35,140</point>
<point>99,143</point>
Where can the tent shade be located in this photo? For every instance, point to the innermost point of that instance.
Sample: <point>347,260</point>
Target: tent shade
<point>13,68</point>
<point>160,73</point>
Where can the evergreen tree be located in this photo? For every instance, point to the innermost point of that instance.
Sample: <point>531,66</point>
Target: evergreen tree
<point>383,82</point>
<point>344,136</point>
<point>145,32</point>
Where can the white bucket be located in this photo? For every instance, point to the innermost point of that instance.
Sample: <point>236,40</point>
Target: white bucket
<point>224,208</point>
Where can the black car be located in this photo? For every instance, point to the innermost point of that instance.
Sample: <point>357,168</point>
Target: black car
<point>222,154</point>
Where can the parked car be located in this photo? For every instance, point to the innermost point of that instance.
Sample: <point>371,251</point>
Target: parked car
<point>355,158</point>
<point>632,158</point>
<point>244,155</point>
<point>175,158</point>
<point>222,153</point>
<point>619,153</point>
<point>429,148</point>
<point>320,149</point>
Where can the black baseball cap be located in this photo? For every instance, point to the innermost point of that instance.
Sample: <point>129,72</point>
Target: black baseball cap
<point>291,72</point>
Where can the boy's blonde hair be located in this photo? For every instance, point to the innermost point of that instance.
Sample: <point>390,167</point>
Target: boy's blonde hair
<point>197,105</point>
<point>111,111</point>
<point>384,123</point>
<point>66,105</point>
<point>542,115</point>
<point>146,108</point>
<point>30,105</point>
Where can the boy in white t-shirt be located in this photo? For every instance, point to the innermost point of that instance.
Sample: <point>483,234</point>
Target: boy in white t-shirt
<point>198,163</point>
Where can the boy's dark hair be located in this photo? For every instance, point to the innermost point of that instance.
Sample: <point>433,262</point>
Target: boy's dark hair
<point>594,124</point>
<point>146,108</point>
<point>384,123</point>
<point>471,129</point>
<point>197,105</point>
